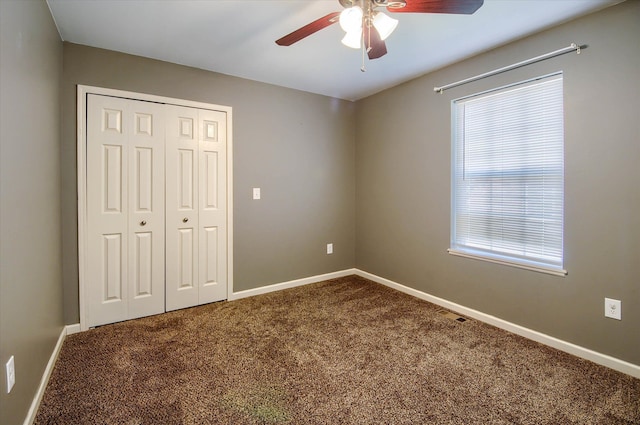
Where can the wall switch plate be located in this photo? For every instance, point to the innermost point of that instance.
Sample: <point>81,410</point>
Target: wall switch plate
<point>256,193</point>
<point>11,374</point>
<point>613,308</point>
<point>329,248</point>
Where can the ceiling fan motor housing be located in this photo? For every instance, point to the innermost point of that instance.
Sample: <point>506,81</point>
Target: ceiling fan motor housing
<point>394,4</point>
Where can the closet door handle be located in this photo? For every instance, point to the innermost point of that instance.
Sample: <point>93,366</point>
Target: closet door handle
<point>184,220</point>
<point>143,222</point>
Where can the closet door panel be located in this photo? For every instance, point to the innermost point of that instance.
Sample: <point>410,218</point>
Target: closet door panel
<point>213,206</point>
<point>146,209</point>
<point>182,190</point>
<point>107,203</point>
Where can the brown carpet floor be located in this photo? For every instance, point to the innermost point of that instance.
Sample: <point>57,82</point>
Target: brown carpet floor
<point>344,351</point>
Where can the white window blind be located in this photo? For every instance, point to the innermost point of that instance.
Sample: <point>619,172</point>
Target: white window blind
<point>508,175</point>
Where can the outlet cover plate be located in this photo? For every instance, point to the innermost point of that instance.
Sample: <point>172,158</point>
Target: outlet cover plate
<point>11,374</point>
<point>329,248</point>
<point>613,308</point>
<point>256,193</point>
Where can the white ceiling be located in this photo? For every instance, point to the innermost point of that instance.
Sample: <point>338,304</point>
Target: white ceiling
<point>237,37</point>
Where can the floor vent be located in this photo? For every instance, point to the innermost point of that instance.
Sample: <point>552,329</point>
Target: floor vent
<point>452,316</point>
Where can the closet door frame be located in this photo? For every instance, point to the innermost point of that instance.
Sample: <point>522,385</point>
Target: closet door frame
<point>82,93</point>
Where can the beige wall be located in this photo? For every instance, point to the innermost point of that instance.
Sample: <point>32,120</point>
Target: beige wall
<point>297,147</point>
<point>31,317</point>
<point>403,187</point>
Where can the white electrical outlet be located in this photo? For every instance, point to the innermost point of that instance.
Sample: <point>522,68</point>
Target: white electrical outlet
<point>256,193</point>
<point>11,374</point>
<point>329,248</point>
<point>613,308</point>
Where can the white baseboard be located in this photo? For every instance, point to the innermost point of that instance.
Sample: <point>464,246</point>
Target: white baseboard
<point>73,329</point>
<point>35,404</point>
<point>290,284</point>
<point>576,350</point>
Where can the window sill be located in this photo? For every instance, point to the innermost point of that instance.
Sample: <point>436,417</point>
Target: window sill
<point>531,267</point>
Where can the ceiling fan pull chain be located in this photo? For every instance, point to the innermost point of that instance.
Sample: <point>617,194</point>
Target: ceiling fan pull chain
<point>367,24</point>
<point>363,68</point>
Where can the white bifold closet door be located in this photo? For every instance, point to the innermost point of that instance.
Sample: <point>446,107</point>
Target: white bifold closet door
<point>125,209</point>
<point>196,207</point>
<point>156,208</point>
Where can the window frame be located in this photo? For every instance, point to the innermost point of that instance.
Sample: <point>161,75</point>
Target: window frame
<point>493,256</point>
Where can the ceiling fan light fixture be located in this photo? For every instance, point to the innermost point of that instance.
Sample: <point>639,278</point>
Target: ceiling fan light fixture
<point>353,38</point>
<point>384,24</point>
<point>351,19</point>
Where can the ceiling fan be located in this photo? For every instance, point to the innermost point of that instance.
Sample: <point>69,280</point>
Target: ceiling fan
<point>367,27</point>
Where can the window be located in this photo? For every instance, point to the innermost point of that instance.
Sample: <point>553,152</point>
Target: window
<point>508,175</point>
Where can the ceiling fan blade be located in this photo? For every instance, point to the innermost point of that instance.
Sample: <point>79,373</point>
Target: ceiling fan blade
<point>308,29</point>
<point>463,7</point>
<point>375,46</point>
